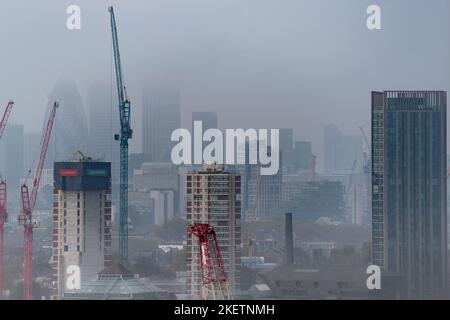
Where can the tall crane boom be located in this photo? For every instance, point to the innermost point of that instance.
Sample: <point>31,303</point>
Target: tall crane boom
<point>126,133</point>
<point>3,213</point>
<point>5,117</point>
<point>28,202</point>
<point>366,141</point>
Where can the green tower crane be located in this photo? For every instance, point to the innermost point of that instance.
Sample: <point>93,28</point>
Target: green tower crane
<point>126,133</point>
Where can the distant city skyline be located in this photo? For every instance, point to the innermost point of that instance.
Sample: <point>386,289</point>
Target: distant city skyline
<point>307,165</point>
<point>293,65</point>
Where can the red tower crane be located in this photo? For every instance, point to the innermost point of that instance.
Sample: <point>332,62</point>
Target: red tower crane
<point>6,117</point>
<point>214,278</point>
<point>28,201</point>
<point>3,214</point>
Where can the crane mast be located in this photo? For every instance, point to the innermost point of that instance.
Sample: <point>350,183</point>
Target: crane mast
<point>28,202</point>
<point>126,133</point>
<point>3,213</point>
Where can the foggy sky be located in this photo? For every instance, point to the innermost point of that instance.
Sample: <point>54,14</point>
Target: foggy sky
<point>257,63</point>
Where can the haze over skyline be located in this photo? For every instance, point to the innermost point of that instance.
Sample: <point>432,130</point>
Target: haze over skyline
<point>299,64</point>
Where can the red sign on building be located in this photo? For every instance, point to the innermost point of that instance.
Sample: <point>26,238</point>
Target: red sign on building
<point>68,172</point>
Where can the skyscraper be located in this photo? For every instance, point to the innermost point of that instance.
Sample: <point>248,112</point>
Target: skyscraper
<point>163,206</point>
<point>303,156</point>
<point>409,206</point>
<point>340,150</point>
<point>81,221</point>
<point>161,117</point>
<point>70,128</point>
<point>264,191</point>
<point>103,124</point>
<point>209,121</point>
<point>287,148</point>
<point>214,196</point>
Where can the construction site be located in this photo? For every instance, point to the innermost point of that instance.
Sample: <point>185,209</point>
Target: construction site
<point>78,183</point>
<point>131,169</point>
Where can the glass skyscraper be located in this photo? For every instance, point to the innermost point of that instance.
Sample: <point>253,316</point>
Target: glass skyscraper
<point>409,206</point>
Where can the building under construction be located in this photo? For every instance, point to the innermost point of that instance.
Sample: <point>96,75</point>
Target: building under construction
<point>213,198</point>
<point>81,220</point>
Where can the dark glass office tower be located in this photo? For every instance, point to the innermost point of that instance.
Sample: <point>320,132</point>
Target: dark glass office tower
<point>409,203</point>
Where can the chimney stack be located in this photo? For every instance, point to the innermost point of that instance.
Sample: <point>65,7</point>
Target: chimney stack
<point>288,239</point>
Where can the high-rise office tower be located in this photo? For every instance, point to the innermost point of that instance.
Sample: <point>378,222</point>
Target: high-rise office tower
<point>163,206</point>
<point>286,139</point>
<point>264,191</point>
<point>103,124</point>
<point>287,147</point>
<point>341,151</point>
<point>163,182</point>
<point>409,206</point>
<point>213,196</point>
<point>208,120</point>
<point>303,156</point>
<point>81,221</point>
<point>161,117</point>
<point>71,127</point>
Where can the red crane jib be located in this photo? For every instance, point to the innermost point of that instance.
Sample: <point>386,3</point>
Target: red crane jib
<point>5,117</point>
<point>44,147</point>
<point>211,264</point>
<point>28,203</point>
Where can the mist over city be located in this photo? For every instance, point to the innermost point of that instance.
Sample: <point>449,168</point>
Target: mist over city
<point>97,202</point>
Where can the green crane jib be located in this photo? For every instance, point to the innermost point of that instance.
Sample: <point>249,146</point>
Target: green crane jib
<point>126,133</point>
